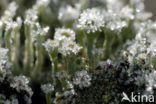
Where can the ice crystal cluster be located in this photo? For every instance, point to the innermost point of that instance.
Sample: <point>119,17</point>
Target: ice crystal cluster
<point>47,88</point>
<point>82,79</point>
<point>13,90</point>
<point>64,42</point>
<point>91,20</point>
<point>3,62</point>
<point>76,51</point>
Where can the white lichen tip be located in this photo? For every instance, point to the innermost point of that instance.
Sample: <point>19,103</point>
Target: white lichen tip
<point>51,45</point>
<point>10,12</point>
<point>47,88</point>
<point>82,79</point>
<point>21,83</point>
<point>31,16</point>
<point>64,33</point>
<point>91,20</point>
<point>68,47</point>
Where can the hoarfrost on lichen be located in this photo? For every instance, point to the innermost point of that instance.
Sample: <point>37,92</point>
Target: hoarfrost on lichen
<point>31,16</point>
<point>21,83</point>
<point>70,90</point>
<point>47,88</point>
<point>38,31</point>
<point>3,62</point>
<point>64,42</point>
<point>91,20</point>
<point>10,24</point>
<point>68,47</point>
<point>82,79</point>
<point>51,45</point>
<point>64,33</point>
<point>10,12</point>
<point>151,82</point>
<point>142,48</point>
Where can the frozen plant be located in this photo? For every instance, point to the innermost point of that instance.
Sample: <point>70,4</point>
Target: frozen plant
<point>9,12</point>
<point>142,50</point>
<point>82,79</point>
<point>47,88</point>
<point>68,47</point>
<point>91,20</point>
<point>151,82</point>
<point>13,89</point>
<point>21,83</point>
<point>51,45</point>
<point>3,62</point>
<point>64,33</point>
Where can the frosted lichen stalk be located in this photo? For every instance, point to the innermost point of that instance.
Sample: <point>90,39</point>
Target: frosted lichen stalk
<point>48,42</point>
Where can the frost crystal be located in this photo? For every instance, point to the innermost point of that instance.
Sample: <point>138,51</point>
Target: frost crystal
<point>116,20</point>
<point>21,83</point>
<point>68,47</point>
<point>51,45</point>
<point>142,48</point>
<point>10,12</point>
<point>64,33</point>
<point>10,24</point>
<point>38,31</point>
<point>151,82</point>
<point>47,88</point>
<point>64,42</point>
<point>3,62</point>
<point>82,79</point>
<point>31,16</point>
<point>91,20</point>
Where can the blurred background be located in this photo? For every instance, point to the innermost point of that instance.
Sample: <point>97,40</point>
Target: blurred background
<point>151,6</point>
